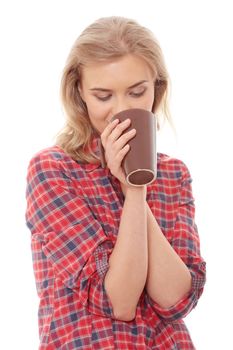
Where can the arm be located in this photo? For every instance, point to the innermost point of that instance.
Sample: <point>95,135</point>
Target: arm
<point>168,278</point>
<point>179,262</point>
<point>126,277</point>
<point>68,243</point>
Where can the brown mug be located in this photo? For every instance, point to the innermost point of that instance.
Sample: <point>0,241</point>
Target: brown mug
<point>140,162</point>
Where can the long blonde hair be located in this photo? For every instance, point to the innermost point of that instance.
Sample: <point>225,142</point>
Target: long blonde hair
<point>105,39</point>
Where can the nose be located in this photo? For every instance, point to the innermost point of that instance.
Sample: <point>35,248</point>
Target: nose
<point>119,105</point>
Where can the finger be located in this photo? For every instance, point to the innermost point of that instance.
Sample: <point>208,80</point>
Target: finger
<point>122,153</point>
<point>118,130</point>
<point>115,163</point>
<point>117,146</point>
<point>108,130</point>
<point>125,138</point>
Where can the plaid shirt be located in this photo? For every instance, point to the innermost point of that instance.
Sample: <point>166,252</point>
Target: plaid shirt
<point>73,212</point>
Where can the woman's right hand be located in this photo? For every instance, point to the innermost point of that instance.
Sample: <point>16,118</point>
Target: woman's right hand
<point>116,146</point>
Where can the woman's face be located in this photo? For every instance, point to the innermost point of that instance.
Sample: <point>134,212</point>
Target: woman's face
<point>108,88</point>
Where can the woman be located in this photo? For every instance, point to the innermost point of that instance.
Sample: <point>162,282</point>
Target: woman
<point>116,266</point>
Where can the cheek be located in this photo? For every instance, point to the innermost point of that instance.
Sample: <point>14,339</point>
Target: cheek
<point>148,100</point>
<point>97,113</point>
<point>151,97</point>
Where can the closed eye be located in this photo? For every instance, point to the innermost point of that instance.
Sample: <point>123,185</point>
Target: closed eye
<point>134,94</point>
<point>137,94</point>
<point>103,98</point>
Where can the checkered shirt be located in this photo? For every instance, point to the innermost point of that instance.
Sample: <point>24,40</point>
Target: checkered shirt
<point>73,213</point>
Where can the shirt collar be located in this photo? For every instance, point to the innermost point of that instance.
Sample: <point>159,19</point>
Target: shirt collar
<point>97,148</point>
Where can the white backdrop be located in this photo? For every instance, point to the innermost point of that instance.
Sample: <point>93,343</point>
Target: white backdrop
<point>196,37</point>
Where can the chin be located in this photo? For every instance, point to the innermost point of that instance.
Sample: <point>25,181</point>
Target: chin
<point>97,131</point>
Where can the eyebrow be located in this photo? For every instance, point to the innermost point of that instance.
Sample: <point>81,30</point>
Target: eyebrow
<point>130,87</point>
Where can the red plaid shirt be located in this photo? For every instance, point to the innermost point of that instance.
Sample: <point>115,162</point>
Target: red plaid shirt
<point>73,212</point>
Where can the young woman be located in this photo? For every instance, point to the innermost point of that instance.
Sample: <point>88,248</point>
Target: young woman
<point>116,266</point>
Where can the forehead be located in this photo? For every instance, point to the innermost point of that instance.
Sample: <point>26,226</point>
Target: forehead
<point>125,71</point>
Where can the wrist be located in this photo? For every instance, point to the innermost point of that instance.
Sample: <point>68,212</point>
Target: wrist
<point>135,191</point>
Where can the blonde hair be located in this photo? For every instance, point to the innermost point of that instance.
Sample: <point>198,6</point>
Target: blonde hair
<point>105,39</point>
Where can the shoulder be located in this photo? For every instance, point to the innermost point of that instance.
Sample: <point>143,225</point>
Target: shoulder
<point>51,159</point>
<point>171,168</point>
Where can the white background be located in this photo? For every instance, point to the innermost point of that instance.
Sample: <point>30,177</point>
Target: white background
<point>196,37</point>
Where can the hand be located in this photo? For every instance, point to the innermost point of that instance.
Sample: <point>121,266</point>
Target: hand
<point>116,147</point>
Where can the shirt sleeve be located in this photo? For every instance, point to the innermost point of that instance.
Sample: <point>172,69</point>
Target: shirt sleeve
<point>186,243</point>
<point>66,236</point>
